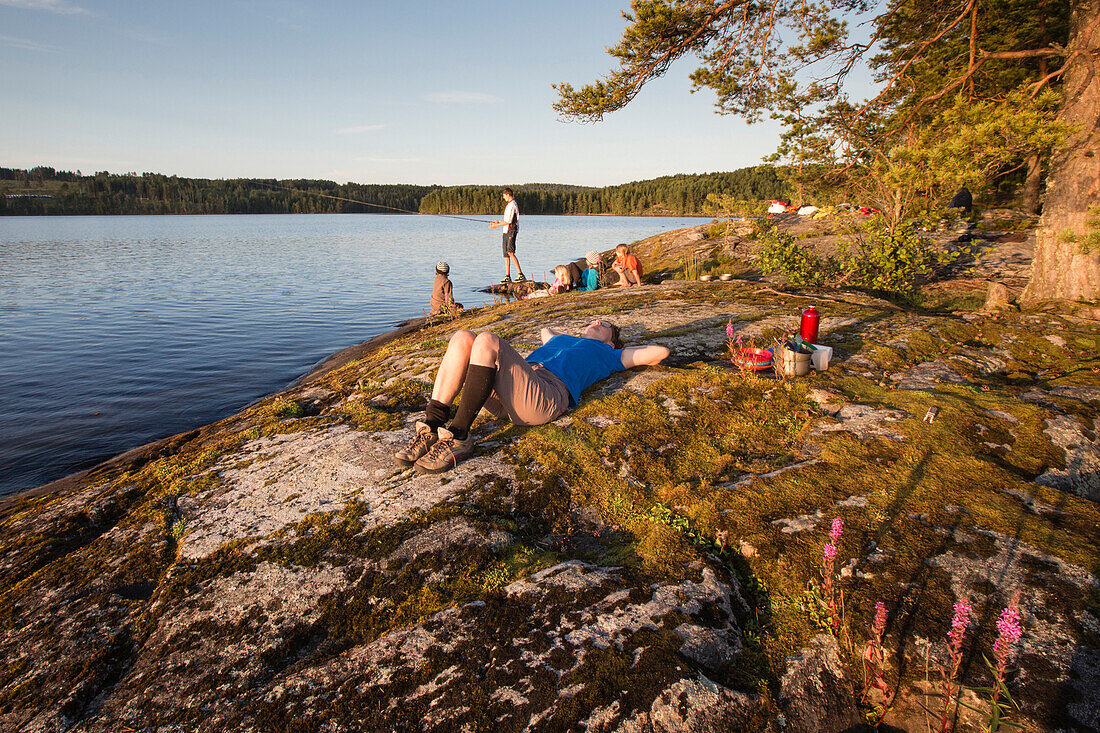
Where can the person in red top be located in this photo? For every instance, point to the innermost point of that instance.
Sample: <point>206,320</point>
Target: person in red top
<point>626,264</point>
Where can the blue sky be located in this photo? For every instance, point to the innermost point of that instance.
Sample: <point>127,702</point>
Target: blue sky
<point>370,91</point>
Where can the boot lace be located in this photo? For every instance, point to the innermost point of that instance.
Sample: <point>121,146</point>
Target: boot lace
<point>443,448</point>
<point>420,442</point>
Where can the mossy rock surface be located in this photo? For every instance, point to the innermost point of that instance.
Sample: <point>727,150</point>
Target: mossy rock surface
<point>647,562</point>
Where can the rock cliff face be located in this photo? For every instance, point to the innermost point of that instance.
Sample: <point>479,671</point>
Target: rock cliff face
<point>650,562</point>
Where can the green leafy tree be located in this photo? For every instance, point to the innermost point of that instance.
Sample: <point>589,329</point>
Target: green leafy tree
<point>923,52</point>
<point>805,147</point>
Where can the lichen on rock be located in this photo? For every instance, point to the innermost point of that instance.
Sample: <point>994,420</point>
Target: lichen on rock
<point>645,563</point>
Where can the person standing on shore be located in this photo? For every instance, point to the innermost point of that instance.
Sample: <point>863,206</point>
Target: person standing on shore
<point>510,222</point>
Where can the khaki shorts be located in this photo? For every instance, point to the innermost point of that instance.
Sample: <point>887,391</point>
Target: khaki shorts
<point>526,393</point>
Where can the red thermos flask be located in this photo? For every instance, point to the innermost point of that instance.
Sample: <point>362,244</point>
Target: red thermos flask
<point>808,328</point>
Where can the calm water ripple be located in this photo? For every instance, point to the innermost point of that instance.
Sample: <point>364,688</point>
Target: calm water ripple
<point>115,331</point>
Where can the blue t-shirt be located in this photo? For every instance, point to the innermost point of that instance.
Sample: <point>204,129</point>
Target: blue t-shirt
<point>590,280</point>
<point>579,362</point>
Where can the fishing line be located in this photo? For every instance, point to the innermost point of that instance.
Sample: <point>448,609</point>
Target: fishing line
<point>367,203</point>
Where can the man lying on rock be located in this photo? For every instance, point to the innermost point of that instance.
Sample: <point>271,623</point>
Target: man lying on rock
<point>532,391</point>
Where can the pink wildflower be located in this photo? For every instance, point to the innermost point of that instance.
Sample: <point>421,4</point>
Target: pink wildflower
<point>729,329</point>
<point>1009,632</point>
<point>830,551</point>
<point>874,659</point>
<point>838,528</point>
<point>958,624</point>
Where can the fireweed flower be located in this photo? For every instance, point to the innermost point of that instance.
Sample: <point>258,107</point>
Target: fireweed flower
<point>828,594</point>
<point>959,623</point>
<point>1009,632</point>
<point>838,528</point>
<point>729,329</point>
<point>874,658</point>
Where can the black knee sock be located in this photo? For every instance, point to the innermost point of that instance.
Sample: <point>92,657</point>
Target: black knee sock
<point>436,414</point>
<point>475,391</point>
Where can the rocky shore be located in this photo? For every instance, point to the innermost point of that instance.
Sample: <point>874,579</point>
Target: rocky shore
<point>652,561</point>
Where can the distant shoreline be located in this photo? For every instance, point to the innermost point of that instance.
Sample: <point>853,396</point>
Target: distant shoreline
<point>47,191</point>
<point>356,213</point>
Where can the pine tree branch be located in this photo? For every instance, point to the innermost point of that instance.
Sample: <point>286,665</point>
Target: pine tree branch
<point>1052,50</point>
<point>626,82</point>
<point>1038,86</point>
<point>679,48</point>
<point>918,55</point>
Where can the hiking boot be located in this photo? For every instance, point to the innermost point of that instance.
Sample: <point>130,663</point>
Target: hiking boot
<point>447,453</point>
<point>421,443</point>
<point>506,280</point>
<point>521,278</point>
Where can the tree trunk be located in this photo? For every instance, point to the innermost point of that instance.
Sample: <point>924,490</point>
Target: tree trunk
<point>1062,268</point>
<point>1030,200</point>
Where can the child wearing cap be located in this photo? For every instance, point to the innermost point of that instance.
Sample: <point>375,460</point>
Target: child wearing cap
<point>590,278</point>
<point>443,299</point>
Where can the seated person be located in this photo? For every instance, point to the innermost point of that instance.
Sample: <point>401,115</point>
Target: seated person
<point>533,391</point>
<point>562,282</point>
<point>590,277</point>
<point>442,300</point>
<point>626,264</point>
<point>560,285</point>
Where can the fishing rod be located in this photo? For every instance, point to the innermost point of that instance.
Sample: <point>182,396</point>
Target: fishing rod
<point>367,203</point>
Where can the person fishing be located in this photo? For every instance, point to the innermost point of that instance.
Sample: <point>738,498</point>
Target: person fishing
<point>510,222</point>
<point>532,391</point>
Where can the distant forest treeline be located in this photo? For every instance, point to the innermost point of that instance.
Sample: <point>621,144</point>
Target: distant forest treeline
<point>44,190</point>
<point>680,195</point>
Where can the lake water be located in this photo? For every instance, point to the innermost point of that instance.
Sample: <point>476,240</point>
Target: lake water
<point>118,330</point>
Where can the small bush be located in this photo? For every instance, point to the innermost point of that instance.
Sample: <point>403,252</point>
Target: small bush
<point>879,260</point>
<point>1088,242</point>
<point>781,254</point>
<point>693,265</point>
<point>284,408</point>
<point>892,262</point>
<point>718,229</point>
